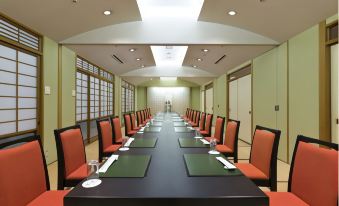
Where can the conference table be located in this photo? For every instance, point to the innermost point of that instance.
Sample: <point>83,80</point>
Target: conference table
<point>168,178</point>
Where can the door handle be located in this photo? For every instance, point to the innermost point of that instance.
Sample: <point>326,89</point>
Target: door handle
<point>337,121</point>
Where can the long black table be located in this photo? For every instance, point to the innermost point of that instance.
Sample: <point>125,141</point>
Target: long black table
<point>167,182</point>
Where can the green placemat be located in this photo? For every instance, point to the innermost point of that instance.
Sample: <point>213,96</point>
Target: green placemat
<point>191,142</point>
<point>179,124</point>
<point>182,129</point>
<point>128,166</point>
<point>144,142</point>
<point>206,165</point>
<point>152,129</point>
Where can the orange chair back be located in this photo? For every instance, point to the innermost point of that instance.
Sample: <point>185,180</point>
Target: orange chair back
<point>133,121</point>
<point>139,118</point>
<point>23,173</point>
<point>231,134</point>
<point>208,125</point>
<point>117,129</point>
<point>202,121</point>
<point>105,136</point>
<point>128,124</point>
<point>314,172</point>
<point>219,128</point>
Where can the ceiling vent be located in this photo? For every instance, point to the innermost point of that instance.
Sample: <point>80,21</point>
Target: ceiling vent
<point>221,58</point>
<point>117,59</point>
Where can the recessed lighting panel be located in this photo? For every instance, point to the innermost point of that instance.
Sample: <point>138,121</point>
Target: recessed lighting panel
<point>168,78</point>
<point>107,12</point>
<point>232,13</point>
<point>165,56</point>
<point>199,59</point>
<point>142,66</point>
<point>132,50</point>
<point>195,66</point>
<point>138,59</point>
<point>205,50</point>
<point>165,9</point>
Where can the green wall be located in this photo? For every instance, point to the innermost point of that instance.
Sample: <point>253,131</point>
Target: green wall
<point>195,98</point>
<point>141,98</point>
<point>68,73</point>
<point>304,85</point>
<point>269,80</point>
<point>220,96</point>
<point>50,102</point>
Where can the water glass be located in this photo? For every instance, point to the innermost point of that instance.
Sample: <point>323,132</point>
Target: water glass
<point>93,169</point>
<point>213,144</point>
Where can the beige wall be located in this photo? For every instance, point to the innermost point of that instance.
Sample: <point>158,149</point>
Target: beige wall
<point>195,98</point>
<point>141,98</point>
<point>50,102</point>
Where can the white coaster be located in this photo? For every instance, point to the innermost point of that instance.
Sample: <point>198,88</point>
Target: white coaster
<point>123,149</point>
<point>214,152</point>
<point>91,183</point>
<point>197,137</point>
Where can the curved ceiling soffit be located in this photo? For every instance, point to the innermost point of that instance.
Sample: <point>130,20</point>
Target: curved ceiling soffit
<point>183,71</point>
<point>170,32</point>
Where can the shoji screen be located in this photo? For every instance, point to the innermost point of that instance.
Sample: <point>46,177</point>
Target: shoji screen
<point>81,103</point>
<point>178,96</point>
<point>18,91</point>
<point>94,97</point>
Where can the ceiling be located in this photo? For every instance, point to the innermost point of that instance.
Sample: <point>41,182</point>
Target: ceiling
<point>271,19</point>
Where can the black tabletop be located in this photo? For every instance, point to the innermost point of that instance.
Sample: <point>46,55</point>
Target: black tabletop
<point>167,182</point>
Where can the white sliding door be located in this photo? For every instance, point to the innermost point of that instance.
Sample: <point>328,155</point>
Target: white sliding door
<point>334,93</point>
<point>209,101</point>
<point>233,100</point>
<point>244,108</point>
<point>202,104</point>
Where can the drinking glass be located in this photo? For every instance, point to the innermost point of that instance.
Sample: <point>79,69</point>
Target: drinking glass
<point>213,144</point>
<point>93,169</point>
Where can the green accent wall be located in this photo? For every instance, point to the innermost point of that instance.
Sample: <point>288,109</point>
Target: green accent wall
<point>269,80</point>
<point>220,96</point>
<point>141,98</point>
<point>304,85</point>
<point>50,102</point>
<point>68,73</point>
<point>195,98</point>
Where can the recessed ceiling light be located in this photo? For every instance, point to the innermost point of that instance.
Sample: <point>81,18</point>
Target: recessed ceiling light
<point>205,50</point>
<point>132,50</point>
<point>138,59</point>
<point>195,66</point>
<point>142,66</point>
<point>107,12</point>
<point>199,59</point>
<point>232,13</point>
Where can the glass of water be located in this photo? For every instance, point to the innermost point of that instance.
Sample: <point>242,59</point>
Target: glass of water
<point>93,169</point>
<point>213,144</point>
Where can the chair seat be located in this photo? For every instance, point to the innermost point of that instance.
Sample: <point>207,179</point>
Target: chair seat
<point>79,174</point>
<point>223,149</point>
<point>131,133</point>
<point>136,128</point>
<point>197,128</point>
<point>251,171</point>
<point>284,199</point>
<point>50,198</point>
<point>194,124</point>
<point>204,132</point>
<point>112,148</point>
<point>210,138</point>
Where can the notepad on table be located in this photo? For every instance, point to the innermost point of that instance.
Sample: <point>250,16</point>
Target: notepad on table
<point>129,141</point>
<point>108,163</point>
<point>204,141</point>
<point>226,163</point>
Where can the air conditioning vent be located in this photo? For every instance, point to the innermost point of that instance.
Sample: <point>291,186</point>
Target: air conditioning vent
<point>221,58</point>
<point>117,59</point>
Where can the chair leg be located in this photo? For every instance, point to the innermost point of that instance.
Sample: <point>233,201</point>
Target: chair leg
<point>235,157</point>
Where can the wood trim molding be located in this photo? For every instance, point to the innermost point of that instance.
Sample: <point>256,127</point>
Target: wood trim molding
<point>324,86</point>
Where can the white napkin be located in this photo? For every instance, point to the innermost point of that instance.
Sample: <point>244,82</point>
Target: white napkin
<point>108,163</point>
<point>226,163</point>
<point>129,141</point>
<point>142,129</point>
<point>205,141</point>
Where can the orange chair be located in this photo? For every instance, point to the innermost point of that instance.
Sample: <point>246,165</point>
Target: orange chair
<point>230,146</point>
<point>313,178</point>
<point>149,114</point>
<point>262,166</point>
<point>105,137</point>
<point>128,126</point>
<point>188,117</point>
<point>197,119</point>
<point>186,114</point>
<point>194,116</point>
<point>24,177</point>
<point>201,122</point>
<point>218,130</point>
<point>208,126</point>
<point>134,127</point>
<point>72,166</point>
<point>116,125</point>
